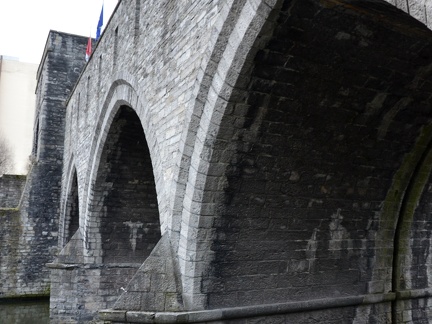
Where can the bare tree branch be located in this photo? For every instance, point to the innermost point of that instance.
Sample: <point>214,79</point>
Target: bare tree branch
<point>5,157</point>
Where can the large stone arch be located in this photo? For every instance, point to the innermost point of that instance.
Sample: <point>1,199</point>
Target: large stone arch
<point>420,10</point>
<point>411,275</point>
<point>371,110</point>
<point>224,26</point>
<point>239,40</point>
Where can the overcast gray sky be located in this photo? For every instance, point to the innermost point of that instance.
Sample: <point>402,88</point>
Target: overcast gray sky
<point>24,24</point>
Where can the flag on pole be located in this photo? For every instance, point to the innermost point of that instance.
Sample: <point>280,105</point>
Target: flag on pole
<point>100,24</point>
<point>88,49</point>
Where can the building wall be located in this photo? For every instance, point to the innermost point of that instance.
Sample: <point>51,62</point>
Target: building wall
<point>17,105</point>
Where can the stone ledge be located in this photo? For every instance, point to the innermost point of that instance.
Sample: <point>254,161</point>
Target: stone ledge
<point>414,293</point>
<point>63,266</point>
<point>241,312</point>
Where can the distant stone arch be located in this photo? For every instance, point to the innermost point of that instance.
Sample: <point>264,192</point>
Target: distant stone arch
<point>70,220</point>
<point>35,148</point>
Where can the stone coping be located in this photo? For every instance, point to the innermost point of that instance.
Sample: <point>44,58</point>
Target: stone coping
<point>123,316</point>
<point>71,266</point>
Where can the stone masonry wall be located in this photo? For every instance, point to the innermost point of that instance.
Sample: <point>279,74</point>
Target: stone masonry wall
<point>62,64</point>
<point>292,210</point>
<point>29,312</point>
<point>283,136</point>
<point>10,249</point>
<point>114,75</point>
<point>29,231</point>
<point>157,65</point>
<point>11,189</point>
<point>127,62</point>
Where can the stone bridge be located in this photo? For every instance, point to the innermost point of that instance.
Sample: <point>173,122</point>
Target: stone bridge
<point>249,161</point>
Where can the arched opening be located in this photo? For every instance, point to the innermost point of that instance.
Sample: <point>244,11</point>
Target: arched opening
<point>125,193</point>
<point>72,210</point>
<point>307,152</point>
<point>35,141</point>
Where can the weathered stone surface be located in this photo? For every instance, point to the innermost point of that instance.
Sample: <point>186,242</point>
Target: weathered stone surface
<point>10,233</point>
<point>154,287</point>
<point>239,161</point>
<point>31,311</point>
<point>281,139</point>
<point>73,251</point>
<point>29,235</point>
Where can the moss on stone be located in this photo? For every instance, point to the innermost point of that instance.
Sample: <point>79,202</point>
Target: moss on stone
<point>7,211</point>
<point>412,200</point>
<point>399,205</point>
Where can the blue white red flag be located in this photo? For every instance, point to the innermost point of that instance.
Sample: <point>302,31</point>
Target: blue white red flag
<point>100,24</point>
<point>88,49</point>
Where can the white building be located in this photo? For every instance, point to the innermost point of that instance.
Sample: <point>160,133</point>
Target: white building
<point>17,104</point>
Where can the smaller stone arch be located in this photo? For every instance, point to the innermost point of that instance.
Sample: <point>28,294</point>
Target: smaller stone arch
<point>123,217</point>
<point>121,92</point>
<point>71,215</point>
<point>122,223</point>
